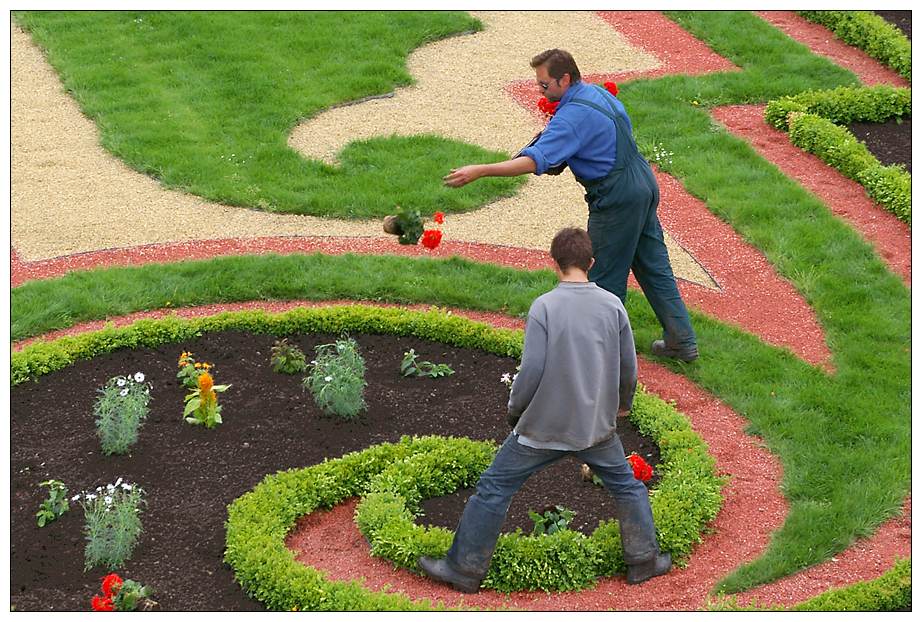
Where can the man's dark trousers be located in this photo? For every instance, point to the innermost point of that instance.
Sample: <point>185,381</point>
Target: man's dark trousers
<point>485,511</point>
<point>626,235</point>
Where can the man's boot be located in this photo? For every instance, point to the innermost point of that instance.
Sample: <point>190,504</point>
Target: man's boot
<point>638,573</point>
<point>688,355</point>
<point>441,570</point>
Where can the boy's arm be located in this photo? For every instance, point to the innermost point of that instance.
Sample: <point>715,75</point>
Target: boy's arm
<point>532,369</point>
<point>628,384</point>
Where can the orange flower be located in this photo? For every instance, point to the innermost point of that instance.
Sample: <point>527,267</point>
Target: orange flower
<point>205,382</point>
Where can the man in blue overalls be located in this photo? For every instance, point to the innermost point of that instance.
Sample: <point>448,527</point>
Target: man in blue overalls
<point>591,133</point>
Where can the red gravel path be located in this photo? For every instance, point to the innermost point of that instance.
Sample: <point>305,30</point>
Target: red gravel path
<point>823,42</point>
<point>847,199</point>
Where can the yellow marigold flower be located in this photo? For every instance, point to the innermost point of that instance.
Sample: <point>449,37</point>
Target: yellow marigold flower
<point>205,382</point>
<point>198,365</point>
<point>207,365</point>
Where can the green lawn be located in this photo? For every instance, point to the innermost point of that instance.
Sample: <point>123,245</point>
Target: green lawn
<point>205,101</point>
<point>844,439</point>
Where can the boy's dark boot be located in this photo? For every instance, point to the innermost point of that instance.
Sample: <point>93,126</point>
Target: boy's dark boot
<point>638,573</point>
<point>442,570</point>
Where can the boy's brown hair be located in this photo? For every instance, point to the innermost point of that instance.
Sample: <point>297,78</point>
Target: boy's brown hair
<point>571,247</point>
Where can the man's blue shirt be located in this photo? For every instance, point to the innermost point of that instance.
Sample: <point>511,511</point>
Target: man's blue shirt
<point>579,135</point>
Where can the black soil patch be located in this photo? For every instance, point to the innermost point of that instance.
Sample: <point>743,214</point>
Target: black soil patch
<point>270,424</point>
<point>890,142</point>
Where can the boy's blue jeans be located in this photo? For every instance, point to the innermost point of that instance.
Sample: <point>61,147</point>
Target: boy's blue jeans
<point>483,516</point>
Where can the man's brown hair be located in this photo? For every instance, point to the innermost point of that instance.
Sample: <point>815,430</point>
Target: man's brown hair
<point>571,247</point>
<point>558,63</point>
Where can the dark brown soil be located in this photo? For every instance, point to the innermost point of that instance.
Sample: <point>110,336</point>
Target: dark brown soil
<point>890,142</point>
<point>192,474</point>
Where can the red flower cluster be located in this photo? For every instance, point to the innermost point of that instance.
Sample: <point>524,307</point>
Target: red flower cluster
<point>431,238</point>
<point>642,470</point>
<point>547,107</point>
<point>111,584</point>
<point>439,217</point>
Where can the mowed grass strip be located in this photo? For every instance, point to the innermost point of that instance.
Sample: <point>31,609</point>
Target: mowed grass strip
<point>204,102</point>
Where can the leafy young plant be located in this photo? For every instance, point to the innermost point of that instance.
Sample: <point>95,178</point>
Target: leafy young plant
<point>122,595</point>
<point>551,520</point>
<point>337,379</point>
<point>119,412</point>
<point>112,524</point>
<point>190,370</point>
<point>202,406</point>
<point>56,503</point>
<point>287,358</point>
<point>411,367</point>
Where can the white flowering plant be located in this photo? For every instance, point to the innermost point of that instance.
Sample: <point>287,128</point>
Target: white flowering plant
<point>337,379</point>
<point>507,378</point>
<point>120,410</point>
<point>113,524</point>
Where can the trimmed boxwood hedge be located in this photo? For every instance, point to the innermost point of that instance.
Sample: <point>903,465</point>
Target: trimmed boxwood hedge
<point>685,501</point>
<point>871,33</point>
<point>813,120</point>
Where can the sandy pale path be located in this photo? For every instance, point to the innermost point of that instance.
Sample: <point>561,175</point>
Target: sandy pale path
<point>69,195</point>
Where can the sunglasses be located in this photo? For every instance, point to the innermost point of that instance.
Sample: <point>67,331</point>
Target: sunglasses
<point>544,85</point>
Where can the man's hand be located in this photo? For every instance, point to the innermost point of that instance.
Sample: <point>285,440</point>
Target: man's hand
<point>462,176</point>
<point>512,419</point>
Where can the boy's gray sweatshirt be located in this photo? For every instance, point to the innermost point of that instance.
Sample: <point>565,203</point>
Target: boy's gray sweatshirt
<point>578,368</point>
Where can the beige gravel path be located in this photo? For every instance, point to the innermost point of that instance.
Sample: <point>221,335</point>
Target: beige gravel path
<point>69,195</point>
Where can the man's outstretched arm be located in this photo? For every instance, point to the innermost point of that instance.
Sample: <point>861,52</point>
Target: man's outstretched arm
<point>510,168</point>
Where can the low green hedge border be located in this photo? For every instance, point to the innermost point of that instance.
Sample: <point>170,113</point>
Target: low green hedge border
<point>44,357</point>
<point>685,501</point>
<point>892,591</point>
<point>871,33</point>
<point>843,105</point>
<point>812,120</point>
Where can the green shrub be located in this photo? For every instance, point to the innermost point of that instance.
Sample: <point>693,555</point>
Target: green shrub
<point>119,412</point>
<point>55,505</point>
<point>686,499</point>
<point>410,366</point>
<point>287,358</point>
<point>871,33</point>
<point>890,186</point>
<point>337,379</point>
<point>843,105</point>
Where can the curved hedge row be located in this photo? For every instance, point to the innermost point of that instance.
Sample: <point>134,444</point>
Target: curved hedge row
<point>685,501</point>
<point>843,105</point>
<point>40,358</point>
<point>871,33</point>
<point>812,119</point>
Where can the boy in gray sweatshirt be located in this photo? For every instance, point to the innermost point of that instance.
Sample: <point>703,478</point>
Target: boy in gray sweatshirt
<point>579,368</point>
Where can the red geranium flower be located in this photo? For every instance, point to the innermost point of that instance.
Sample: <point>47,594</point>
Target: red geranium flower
<point>642,470</point>
<point>431,238</point>
<point>547,107</point>
<point>611,87</point>
<point>102,603</point>
<point>110,584</point>
<point>439,217</point>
